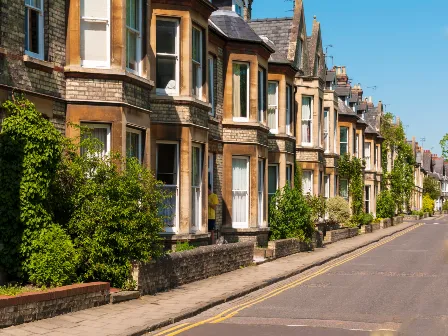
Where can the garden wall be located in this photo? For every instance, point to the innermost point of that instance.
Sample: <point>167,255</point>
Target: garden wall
<point>336,235</point>
<point>397,220</point>
<point>29,307</point>
<point>180,268</point>
<point>285,247</point>
<point>385,223</point>
<point>412,217</point>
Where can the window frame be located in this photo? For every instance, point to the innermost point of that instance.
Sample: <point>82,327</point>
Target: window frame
<point>238,4</point>
<point>211,170</point>
<point>289,174</point>
<point>108,127</point>
<point>41,35</point>
<point>176,56</point>
<point>327,130</point>
<point>307,144</point>
<point>260,192</point>
<point>199,64</point>
<point>277,175</point>
<point>327,186</point>
<point>346,143</point>
<point>211,83</point>
<point>140,141</point>
<point>241,119</point>
<point>274,130</point>
<point>139,34</point>
<point>367,199</point>
<point>289,104</point>
<point>242,225</point>
<point>261,94</point>
<point>311,172</point>
<point>107,20</point>
<point>340,189</point>
<point>199,187</point>
<point>367,159</point>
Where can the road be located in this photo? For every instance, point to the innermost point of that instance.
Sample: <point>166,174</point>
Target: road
<point>396,287</point>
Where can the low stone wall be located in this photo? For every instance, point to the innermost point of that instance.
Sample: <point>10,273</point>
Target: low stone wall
<point>412,217</point>
<point>258,236</point>
<point>385,223</point>
<point>336,235</point>
<point>29,307</point>
<point>285,247</point>
<point>318,239</point>
<point>179,268</point>
<point>397,220</point>
<point>375,226</point>
<point>426,215</point>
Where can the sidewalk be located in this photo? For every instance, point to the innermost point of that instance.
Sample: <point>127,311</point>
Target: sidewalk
<point>148,313</point>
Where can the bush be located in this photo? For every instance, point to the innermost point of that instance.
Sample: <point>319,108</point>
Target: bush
<point>54,260</point>
<point>185,246</point>
<point>417,213</point>
<point>290,215</point>
<point>385,205</point>
<point>428,204</point>
<point>317,206</point>
<point>338,210</point>
<point>445,206</point>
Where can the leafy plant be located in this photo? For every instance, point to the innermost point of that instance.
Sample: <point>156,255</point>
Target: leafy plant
<point>351,169</point>
<point>317,206</point>
<point>428,204</point>
<point>417,213</point>
<point>13,290</point>
<point>290,214</point>
<point>445,206</point>
<point>54,260</point>
<point>184,246</point>
<point>431,187</point>
<point>338,210</point>
<point>385,205</point>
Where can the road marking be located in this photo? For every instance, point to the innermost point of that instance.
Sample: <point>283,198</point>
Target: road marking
<point>172,329</point>
<point>297,325</point>
<point>228,313</point>
<point>369,330</point>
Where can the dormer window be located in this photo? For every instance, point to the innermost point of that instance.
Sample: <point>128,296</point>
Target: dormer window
<point>237,7</point>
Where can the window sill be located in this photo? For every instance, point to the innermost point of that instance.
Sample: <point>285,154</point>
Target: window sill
<point>38,64</point>
<point>188,100</point>
<point>99,73</point>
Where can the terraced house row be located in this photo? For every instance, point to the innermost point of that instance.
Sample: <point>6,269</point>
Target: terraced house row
<point>199,92</point>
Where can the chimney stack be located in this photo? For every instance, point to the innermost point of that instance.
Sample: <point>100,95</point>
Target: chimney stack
<point>341,75</point>
<point>357,91</point>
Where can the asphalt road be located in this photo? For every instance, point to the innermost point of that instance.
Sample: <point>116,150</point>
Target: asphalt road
<point>397,288</point>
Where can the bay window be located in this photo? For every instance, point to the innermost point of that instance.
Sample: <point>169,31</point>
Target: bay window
<point>197,62</point>
<point>240,192</point>
<point>307,181</point>
<point>343,140</point>
<point>289,116</point>
<point>272,181</point>
<point>261,94</point>
<point>167,55</point>
<point>34,28</point>
<point>134,144</point>
<point>240,91</point>
<point>95,33</point>
<point>133,35</point>
<point>273,107</point>
<point>307,120</point>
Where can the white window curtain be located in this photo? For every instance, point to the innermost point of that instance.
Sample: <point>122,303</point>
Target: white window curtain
<point>95,33</point>
<point>134,144</point>
<point>240,91</point>
<point>307,182</point>
<point>273,107</point>
<point>261,193</point>
<point>306,120</point>
<point>100,132</point>
<point>288,110</point>
<point>34,28</point>
<point>196,186</point>
<point>367,154</point>
<point>133,35</point>
<point>240,192</point>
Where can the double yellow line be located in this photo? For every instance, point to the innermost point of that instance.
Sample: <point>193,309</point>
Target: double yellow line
<point>236,309</point>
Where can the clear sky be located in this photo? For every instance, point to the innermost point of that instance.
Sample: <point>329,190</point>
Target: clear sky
<point>399,46</point>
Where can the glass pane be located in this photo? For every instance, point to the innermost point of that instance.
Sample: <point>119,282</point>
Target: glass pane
<point>196,45</point>
<point>343,148</point>
<point>132,145</point>
<point>34,3</point>
<point>239,174</point>
<point>167,163</point>
<point>272,120</point>
<point>272,94</point>
<point>306,108</point>
<point>99,134</point>
<point>94,46</point>
<point>196,85</point>
<point>343,186</point>
<point>166,72</point>
<point>344,134</point>
<point>132,14</point>
<point>260,94</point>
<point>32,26</point>
<point>195,167</point>
<point>95,8</point>
<point>211,82</point>
<point>131,57</point>
<point>166,37</point>
<point>240,82</point>
<point>272,179</point>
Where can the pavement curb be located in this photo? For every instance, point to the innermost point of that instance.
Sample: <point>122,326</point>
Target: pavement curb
<point>138,331</point>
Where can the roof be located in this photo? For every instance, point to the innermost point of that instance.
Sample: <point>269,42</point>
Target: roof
<point>371,130</point>
<point>331,76</point>
<point>277,30</point>
<point>362,106</point>
<point>354,99</point>
<point>276,57</point>
<point>343,91</point>
<point>345,110</point>
<point>232,26</point>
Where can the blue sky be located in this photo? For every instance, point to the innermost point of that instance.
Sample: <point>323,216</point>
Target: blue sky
<point>399,46</point>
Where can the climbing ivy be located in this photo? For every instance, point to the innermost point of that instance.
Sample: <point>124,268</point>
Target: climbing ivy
<point>351,168</point>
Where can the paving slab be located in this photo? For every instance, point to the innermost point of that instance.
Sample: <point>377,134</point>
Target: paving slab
<point>149,313</point>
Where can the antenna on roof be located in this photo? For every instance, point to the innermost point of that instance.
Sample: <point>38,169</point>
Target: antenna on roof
<point>372,87</point>
<point>423,141</point>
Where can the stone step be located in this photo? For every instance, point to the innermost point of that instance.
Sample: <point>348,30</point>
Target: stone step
<point>124,296</point>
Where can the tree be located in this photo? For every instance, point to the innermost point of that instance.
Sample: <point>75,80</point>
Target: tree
<point>351,168</point>
<point>444,145</point>
<point>431,187</point>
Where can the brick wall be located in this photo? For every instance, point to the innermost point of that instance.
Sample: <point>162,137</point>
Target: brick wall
<point>37,306</point>
<point>336,235</point>
<point>232,134</point>
<point>180,268</point>
<point>285,247</point>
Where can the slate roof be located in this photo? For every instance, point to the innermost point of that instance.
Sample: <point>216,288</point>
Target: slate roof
<point>331,76</point>
<point>354,99</point>
<point>232,26</point>
<point>345,110</point>
<point>438,165</point>
<point>277,30</point>
<point>427,161</point>
<point>362,106</point>
<point>371,130</point>
<point>276,57</point>
<point>343,90</point>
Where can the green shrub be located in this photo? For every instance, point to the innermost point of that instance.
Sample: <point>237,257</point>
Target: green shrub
<point>185,246</point>
<point>338,210</point>
<point>290,214</point>
<point>385,205</point>
<point>317,206</point>
<point>445,206</point>
<point>417,213</point>
<point>54,260</point>
<point>428,204</point>
<point>367,219</point>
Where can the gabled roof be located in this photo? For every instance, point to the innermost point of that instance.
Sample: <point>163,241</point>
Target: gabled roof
<point>232,26</point>
<point>314,43</point>
<point>343,91</point>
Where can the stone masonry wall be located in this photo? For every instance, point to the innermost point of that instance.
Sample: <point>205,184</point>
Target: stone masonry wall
<point>180,268</point>
<point>37,306</point>
<point>336,235</point>
<point>285,247</point>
